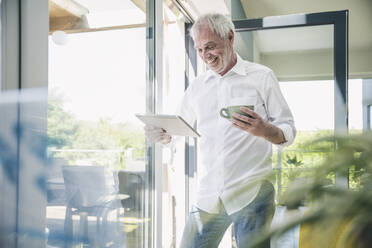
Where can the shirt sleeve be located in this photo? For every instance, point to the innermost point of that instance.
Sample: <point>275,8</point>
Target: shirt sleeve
<point>278,111</point>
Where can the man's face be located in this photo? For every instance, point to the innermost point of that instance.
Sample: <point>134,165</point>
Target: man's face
<point>216,52</point>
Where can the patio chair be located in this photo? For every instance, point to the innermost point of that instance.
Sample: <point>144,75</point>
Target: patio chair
<point>87,195</point>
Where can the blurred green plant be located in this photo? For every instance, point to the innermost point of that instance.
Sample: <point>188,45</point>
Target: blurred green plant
<point>336,216</point>
<point>293,161</point>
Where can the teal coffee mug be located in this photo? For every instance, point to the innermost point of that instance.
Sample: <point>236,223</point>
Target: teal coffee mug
<point>229,111</point>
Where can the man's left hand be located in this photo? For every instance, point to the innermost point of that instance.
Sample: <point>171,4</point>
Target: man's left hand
<point>257,126</point>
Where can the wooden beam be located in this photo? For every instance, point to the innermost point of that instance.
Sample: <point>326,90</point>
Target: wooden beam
<point>86,30</point>
<point>66,15</point>
<point>69,16</point>
<point>141,4</point>
<point>67,23</point>
<point>59,8</point>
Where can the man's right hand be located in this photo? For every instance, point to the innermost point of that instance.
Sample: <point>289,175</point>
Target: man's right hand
<point>155,134</point>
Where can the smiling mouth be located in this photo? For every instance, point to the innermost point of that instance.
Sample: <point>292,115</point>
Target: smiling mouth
<point>212,60</point>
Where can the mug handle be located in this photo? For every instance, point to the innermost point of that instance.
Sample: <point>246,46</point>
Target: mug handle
<point>224,113</point>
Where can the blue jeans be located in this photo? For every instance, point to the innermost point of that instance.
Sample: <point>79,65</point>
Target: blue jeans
<point>205,230</point>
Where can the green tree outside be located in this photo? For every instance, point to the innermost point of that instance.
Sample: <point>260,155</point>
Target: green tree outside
<point>66,132</point>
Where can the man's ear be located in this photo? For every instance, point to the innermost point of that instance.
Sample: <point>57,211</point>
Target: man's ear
<point>231,36</point>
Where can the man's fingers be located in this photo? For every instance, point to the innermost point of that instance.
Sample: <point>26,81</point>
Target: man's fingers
<point>166,139</point>
<point>158,137</point>
<point>154,131</point>
<point>241,124</point>
<point>243,118</point>
<point>156,134</point>
<point>250,112</point>
<point>155,138</point>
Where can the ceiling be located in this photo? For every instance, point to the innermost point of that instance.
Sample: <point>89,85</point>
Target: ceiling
<point>295,39</point>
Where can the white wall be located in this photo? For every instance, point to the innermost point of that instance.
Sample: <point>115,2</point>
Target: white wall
<point>316,65</point>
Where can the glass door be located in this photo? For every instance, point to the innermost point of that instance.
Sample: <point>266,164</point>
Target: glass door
<point>176,73</point>
<point>99,186</point>
<point>308,54</point>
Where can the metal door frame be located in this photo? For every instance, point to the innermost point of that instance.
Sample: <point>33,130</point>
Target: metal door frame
<point>339,20</point>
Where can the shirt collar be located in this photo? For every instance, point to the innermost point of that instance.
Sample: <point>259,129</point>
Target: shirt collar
<point>238,68</point>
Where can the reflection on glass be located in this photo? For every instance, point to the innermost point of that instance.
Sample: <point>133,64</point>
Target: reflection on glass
<point>97,82</point>
<point>369,117</point>
<point>355,104</point>
<point>23,165</point>
<point>302,60</point>
<point>173,207</point>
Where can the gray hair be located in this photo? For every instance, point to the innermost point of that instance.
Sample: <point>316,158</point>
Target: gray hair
<point>217,23</point>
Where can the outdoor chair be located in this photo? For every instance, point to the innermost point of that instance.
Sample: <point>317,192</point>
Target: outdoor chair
<point>87,195</point>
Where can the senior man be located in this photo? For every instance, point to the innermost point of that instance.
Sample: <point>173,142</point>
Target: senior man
<point>235,154</point>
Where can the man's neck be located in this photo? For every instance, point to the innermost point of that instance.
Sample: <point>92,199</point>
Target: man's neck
<point>232,63</point>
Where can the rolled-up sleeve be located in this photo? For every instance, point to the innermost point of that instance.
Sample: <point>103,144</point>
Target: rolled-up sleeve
<point>278,110</point>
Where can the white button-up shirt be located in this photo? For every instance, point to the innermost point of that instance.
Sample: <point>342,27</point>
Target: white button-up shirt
<point>231,162</point>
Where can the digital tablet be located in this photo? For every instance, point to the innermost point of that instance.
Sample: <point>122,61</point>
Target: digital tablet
<point>172,124</point>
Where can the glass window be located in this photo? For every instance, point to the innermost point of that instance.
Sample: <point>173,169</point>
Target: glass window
<point>174,158</point>
<point>355,106</point>
<point>97,188</point>
<point>302,60</point>
<point>313,119</point>
<point>355,101</point>
<point>369,117</point>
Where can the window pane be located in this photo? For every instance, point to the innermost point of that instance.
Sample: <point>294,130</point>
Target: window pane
<point>302,60</point>
<point>369,117</point>
<point>313,119</point>
<point>97,82</point>
<point>174,177</point>
<point>355,106</point>
<point>355,123</point>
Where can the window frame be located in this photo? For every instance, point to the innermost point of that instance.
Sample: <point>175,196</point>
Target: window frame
<point>339,20</point>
